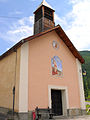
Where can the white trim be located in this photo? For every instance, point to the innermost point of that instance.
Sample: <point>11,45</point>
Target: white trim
<point>80,81</point>
<point>65,102</point>
<point>23,85</point>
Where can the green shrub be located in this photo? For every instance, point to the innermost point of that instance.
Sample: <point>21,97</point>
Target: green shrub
<point>88,106</point>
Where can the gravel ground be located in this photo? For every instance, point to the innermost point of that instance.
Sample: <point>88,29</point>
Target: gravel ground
<point>86,117</point>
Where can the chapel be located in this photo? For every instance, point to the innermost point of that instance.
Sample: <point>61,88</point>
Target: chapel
<point>43,70</point>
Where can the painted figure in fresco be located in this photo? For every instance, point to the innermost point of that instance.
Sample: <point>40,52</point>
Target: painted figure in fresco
<point>54,69</point>
<point>56,66</point>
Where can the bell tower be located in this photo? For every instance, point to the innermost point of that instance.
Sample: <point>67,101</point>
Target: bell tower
<point>43,18</point>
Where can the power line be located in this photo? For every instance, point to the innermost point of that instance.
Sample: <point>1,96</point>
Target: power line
<point>7,17</point>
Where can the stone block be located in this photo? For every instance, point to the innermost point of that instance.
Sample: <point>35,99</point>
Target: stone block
<point>83,112</point>
<point>76,112</point>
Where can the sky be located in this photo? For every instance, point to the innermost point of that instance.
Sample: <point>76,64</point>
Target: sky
<point>16,21</point>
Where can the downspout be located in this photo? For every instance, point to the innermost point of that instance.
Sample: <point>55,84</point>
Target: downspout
<point>14,81</point>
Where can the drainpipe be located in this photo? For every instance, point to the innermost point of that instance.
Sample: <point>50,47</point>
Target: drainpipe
<point>13,98</point>
<point>14,81</point>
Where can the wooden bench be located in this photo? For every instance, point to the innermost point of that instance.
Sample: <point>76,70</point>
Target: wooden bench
<point>43,113</point>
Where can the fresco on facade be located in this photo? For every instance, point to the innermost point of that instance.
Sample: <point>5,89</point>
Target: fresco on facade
<point>56,66</point>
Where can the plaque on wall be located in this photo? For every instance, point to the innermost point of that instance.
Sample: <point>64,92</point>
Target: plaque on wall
<point>55,44</point>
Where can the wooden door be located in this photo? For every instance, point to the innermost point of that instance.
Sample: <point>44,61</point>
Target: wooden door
<point>56,97</point>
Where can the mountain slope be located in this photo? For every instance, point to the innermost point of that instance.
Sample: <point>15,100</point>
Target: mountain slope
<point>86,67</point>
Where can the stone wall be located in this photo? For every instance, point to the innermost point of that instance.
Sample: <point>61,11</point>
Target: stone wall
<point>75,112</point>
<point>7,113</point>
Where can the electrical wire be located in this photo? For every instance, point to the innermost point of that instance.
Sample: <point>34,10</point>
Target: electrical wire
<point>7,17</point>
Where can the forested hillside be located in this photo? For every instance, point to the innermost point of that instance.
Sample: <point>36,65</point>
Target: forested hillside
<point>86,67</point>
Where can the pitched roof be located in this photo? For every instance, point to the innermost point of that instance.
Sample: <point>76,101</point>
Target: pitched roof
<point>44,3</point>
<point>61,34</point>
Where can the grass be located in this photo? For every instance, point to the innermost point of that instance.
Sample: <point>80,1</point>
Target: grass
<point>89,95</point>
<point>88,106</point>
<point>87,101</point>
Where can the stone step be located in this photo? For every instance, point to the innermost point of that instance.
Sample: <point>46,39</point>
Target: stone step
<point>46,119</point>
<point>2,116</point>
<point>59,117</point>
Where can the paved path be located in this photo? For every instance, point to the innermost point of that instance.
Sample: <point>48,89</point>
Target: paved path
<point>86,117</point>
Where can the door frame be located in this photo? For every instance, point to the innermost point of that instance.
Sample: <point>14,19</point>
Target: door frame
<point>65,103</point>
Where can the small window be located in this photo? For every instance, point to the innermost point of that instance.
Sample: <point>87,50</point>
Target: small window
<point>38,15</point>
<point>48,13</point>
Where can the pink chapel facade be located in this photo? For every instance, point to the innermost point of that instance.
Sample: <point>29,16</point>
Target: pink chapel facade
<point>40,70</point>
<point>47,68</point>
<point>40,80</point>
